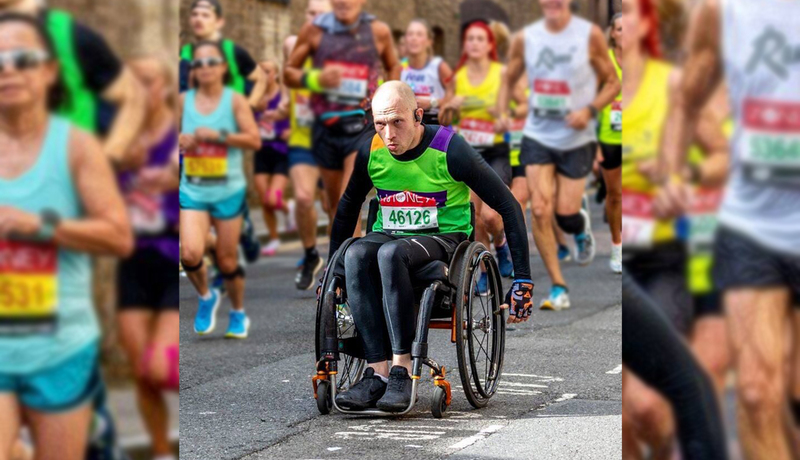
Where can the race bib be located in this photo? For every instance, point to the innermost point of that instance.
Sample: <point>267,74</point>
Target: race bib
<point>266,129</point>
<point>771,141</point>
<point>354,81</point>
<point>616,116</point>
<point>551,99</point>
<point>28,287</point>
<point>409,212</point>
<point>703,207</point>
<point>146,213</point>
<point>638,222</point>
<point>515,134</point>
<point>303,114</point>
<point>477,133</point>
<point>207,165</point>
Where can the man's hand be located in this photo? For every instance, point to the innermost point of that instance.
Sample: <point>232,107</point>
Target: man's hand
<point>187,142</point>
<point>671,200</point>
<point>519,301</point>
<point>207,135</point>
<point>14,222</point>
<point>579,119</point>
<point>330,77</point>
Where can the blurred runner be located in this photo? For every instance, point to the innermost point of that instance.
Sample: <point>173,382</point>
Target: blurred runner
<point>565,57</point>
<point>59,204</point>
<point>216,124</point>
<point>426,74</point>
<point>271,163</point>
<point>148,288</point>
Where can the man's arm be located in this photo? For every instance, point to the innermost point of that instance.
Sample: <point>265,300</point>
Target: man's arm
<point>131,101</point>
<point>514,70</point>
<point>604,69</point>
<point>349,210</point>
<point>389,55</point>
<point>293,71</point>
<point>465,165</point>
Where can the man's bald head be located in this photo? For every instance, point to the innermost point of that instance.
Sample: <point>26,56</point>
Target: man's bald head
<point>394,96</point>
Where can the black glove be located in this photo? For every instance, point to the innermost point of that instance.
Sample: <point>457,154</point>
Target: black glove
<point>520,299</point>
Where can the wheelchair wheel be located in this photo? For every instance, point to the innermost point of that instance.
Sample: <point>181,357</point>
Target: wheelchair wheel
<point>350,367</point>
<point>438,402</point>
<point>480,342</point>
<point>324,403</point>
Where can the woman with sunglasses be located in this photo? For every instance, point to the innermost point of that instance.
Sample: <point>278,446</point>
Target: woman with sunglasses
<point>59,204</point>
<point>216,125</point>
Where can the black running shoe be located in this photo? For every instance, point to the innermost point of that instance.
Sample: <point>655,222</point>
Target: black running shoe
<point>363,394</point>
<point>398,391</point>
<point>307,274</point>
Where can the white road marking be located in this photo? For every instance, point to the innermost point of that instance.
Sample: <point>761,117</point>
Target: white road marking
<point>565,397</point>
<point>285,381</point>
<point>333,449</point>
<point>503,383</point>
<point>616,370</point>
<point>413,445</point>
<point>543,378</point>
<point>476,437</point>
<point>207,413</point>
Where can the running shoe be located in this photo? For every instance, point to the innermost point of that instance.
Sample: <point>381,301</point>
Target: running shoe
<point>563,253</point>
<point>616,258</point>
<point>206,318</point>
<point>307,273</point>
<point>482,286</point>
<point>238,326</point>
<point>504,262</point>
<point>251,247</point>
<point>558,299</point>
<point>364,394</point>
<point>271,248</point>
<point>398,391</point>
<point>584,243</point>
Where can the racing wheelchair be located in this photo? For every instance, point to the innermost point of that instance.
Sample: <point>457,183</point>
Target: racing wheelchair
<point>447,298</point>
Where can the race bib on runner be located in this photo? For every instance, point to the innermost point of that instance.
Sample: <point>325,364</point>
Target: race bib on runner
<point>638,222</point>
<point>266,129</point>
<point>477,133</point>
<point>771,141</point>
<point>207,165</point>
<point>409,212</point>
<point>703,207</point>
<point>551,99</point>
<point>354,82</point>
<point>28,287</point>
<point>146,213</point>
<point>303,114</point>
<point>616,116</point>
<point>515,134</point>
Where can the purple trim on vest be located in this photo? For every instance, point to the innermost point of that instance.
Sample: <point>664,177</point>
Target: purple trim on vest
<point>442,138</point>
<point>440,197</point>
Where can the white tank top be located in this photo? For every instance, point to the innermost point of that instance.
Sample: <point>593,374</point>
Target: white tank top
<point>761,55</point>
<point>561,80</point>
<point>425,81</point>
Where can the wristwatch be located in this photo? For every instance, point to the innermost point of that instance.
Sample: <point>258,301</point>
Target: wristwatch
<point>50,221</point>
<point>592,110</point>
<point>223,135</point>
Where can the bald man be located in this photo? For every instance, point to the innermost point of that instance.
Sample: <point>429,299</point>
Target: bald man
<point>423,175</point>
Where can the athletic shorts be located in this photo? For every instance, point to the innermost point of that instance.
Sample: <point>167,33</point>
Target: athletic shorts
<point>661,272</point>
<point>270,161</point>
<point>229,208</point>
<point>300,156</point>
<point>332,144</point>
<point>612,156</point>
<point>147,280</point>
<point>517,171</point>
<point>575,164</point>
<point>709,304</point>
<point>740,262</point>
<point>60,388</point>
<point>498,158</point>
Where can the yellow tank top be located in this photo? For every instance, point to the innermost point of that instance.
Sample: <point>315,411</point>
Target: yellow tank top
<point>515,133</point>
<point>610,131</point>
<point>475,120</point>
<point>300,116</point>
<point>642,127</point>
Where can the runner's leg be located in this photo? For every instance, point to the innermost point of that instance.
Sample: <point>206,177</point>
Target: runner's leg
<point>304,182</point>
<point>195,227</point>
<point>709,344</point>
<point>541,183</point>
<point>613,181</point>
<point>63,435</point>
<point>262,183</point>
<point>650,416</point>
<point>228,233</point>
<point>9,424</point>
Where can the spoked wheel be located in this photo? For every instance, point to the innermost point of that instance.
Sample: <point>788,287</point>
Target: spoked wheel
<point>480,341</point>
<point>333,297</point>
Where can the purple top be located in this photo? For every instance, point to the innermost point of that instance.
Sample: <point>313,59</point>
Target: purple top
<point>271,132</point>
<point>155,217</point>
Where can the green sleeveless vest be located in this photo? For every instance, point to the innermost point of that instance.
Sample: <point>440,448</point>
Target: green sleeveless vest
<point>419,197</point>
<point>228,47</point>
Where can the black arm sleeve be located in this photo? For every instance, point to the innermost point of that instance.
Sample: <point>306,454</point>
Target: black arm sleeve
<point>344,224</point>
<point>245,61</point>
<point>101,67</point>
<point>465,165</point>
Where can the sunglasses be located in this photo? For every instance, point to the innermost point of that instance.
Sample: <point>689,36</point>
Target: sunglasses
<point>207,62</point>
<point>23,59</point>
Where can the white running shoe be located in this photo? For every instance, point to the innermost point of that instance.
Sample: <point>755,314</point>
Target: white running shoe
<point>616,258</point>
<point>557,300</point>
<point>584,242</point>
<point>271,248</point>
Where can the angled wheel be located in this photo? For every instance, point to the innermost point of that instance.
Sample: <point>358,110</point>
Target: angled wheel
<point>324,402</point>
<point>480,340</point>
<point>438,402</point>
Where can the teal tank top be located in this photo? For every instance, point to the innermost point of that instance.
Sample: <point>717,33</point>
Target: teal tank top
<point>213,172</point>
<point>54,285</point>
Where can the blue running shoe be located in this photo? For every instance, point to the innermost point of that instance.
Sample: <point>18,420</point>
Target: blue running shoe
<point>482,286</point>
<point>504,261</point>
<point>206,318</point>
<point>584,243</point>
<point>563,253</point>
<point>238,326</point>
<point>218,283</point>
<point>558,299</point>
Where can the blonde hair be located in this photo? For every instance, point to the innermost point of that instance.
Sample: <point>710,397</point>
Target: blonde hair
<point>277,68</point>
<point>428,29</point>
<point>501,37</point>
<point>167,68</point>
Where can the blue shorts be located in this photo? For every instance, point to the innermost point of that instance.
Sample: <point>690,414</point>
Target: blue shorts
<point>66,386</point>
<point>301,156</point>
<point>226,209</point>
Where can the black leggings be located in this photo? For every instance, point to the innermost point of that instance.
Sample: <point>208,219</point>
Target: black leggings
<point>379,290</point>
<point>654,351</point>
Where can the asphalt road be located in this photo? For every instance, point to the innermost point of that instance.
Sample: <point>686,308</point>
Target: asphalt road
<point>559,396</point>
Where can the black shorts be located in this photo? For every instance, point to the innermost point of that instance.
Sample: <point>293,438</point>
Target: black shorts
<point>517,171</point>
<point>148,279</point>
<point>740,262</point>
<point>612,156</point>
<point>270,161</point>
<point>498,158</point>
<point>575,164</point>
<point>661,272</point>
<point>332,144</point>
<point>709,304</point>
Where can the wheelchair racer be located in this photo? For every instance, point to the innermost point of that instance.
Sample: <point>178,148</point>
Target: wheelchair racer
<point>423,175</point>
